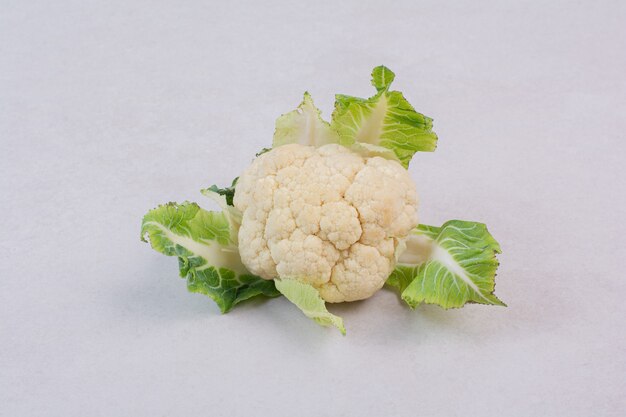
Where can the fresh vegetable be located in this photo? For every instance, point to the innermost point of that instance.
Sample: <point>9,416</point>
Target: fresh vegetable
<point>329,213</point>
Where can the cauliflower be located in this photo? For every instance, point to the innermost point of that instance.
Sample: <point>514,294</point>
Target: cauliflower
<point>329,213</point>
<point>326,216</point>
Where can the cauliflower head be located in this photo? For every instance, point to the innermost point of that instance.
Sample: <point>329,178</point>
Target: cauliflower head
<point>325,216</point>
<point>329,214</point>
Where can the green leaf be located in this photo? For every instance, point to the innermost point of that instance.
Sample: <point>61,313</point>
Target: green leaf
<point>206,250</point>
<point>308,299</point>
<point>304,126</point>
<point>385,120</point>
<point>382,77</point>
<point>227,192</point>
<point>448,266</point>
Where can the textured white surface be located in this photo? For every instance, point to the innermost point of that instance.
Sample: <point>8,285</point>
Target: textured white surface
<point>108,108</point>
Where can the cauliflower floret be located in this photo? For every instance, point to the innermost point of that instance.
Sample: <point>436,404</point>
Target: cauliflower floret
<point>326,216</point>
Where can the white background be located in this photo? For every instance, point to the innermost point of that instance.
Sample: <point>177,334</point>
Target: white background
<point>110,108</point>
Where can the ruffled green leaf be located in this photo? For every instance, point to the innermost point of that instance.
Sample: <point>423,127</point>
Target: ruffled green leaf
<point>386,120</point>
<point>304,126</point>
<point>308,299</point>
<point>206,250</point>
<point>449,266</point>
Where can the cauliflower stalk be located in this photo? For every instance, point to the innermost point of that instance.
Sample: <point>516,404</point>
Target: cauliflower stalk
<point>329,213</point>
